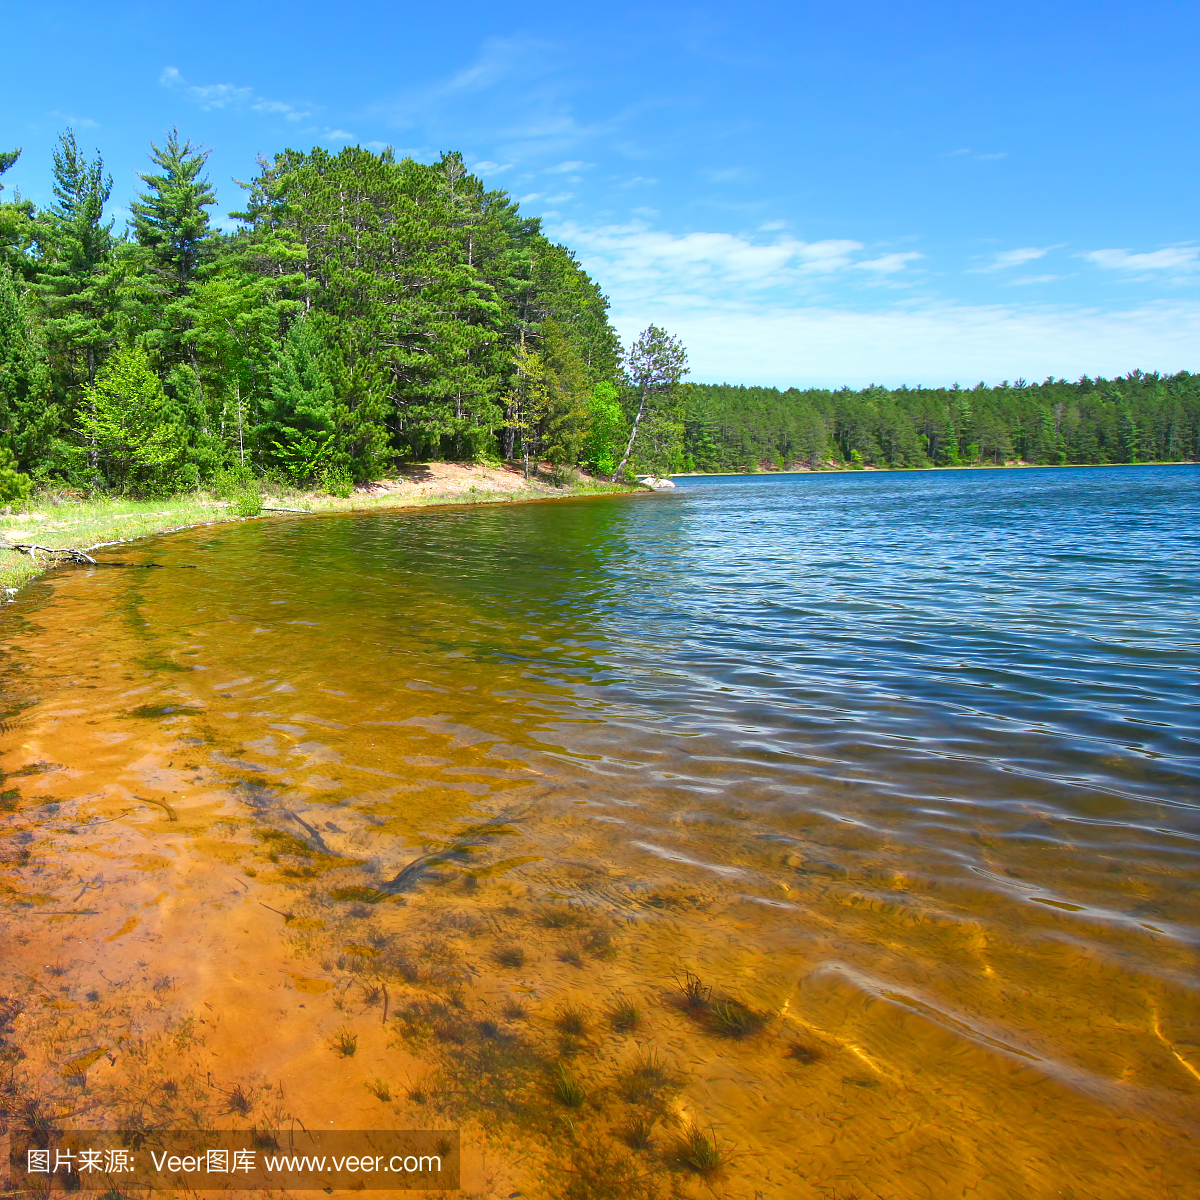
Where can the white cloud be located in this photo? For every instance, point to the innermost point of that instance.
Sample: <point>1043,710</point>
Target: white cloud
<point>227,95</point>
<point>935,345</point>
<point>1015,258</point>
<point>338,135</point>
<point>487,167</point>
<point>1174,258</point>
<point>699,269</point>
<point>1024,279</point>
<point>888,264</point>
<point>565,168</point>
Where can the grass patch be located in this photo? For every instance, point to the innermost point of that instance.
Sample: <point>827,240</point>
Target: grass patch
<point>700,1151</point>
<point>571,1020</point>
<point>344,1043</point>
<point>509,956</point>
<point>623,1015</point>
<point>568,1091</point>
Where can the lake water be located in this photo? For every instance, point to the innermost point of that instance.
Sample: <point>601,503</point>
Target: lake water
<point>851,820</point>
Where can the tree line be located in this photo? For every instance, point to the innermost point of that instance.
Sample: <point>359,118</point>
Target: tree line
<point>364,311</point>
<point>1139,418</point>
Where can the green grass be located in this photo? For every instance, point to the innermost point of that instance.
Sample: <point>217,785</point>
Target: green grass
<point>623,1015</point>
<point>344,1043</point>
<point>568,1091</point>
<point>700,1152</point>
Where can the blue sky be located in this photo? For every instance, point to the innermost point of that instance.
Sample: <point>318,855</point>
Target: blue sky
<point>806,193</point>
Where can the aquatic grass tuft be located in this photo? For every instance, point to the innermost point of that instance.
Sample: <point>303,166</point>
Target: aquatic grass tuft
<point>379,1090</point>
<point>509,956</point>
<point>733,1019</point>
<point>559,917</point>
<point>623,1015</point>
<point>644,1080</point>
<point>515,1010</point>
<point>637,1131</point>
<point>571,955</point>
<point>568,1091</point>
<point>238,1101</point>
<point>693,991</point>
<point>598,943</point>
<point>804,1054</point>
<point>700,1152</point>
<point>344,1043</point>
<point>571,1020</point>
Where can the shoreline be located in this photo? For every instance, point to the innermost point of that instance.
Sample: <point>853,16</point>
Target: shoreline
<point>90,525</point>
<point>1016,466</point>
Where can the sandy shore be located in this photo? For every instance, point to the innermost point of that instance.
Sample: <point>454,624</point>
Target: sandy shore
<point>64,520</point>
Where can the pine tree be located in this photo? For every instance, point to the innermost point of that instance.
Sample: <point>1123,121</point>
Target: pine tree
<point>298,426</point>
<point>74,277</point>
<point>127,416</point>
<point>170,219</point>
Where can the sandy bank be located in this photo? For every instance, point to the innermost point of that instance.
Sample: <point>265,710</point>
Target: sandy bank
<point>64,520</point>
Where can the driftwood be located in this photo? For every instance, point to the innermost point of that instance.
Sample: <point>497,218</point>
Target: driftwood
<point>269,508</point>
<point>60,554</point>
<point>70,554</point>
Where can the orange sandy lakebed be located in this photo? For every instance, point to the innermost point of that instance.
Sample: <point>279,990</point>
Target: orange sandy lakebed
<point>542,823</point>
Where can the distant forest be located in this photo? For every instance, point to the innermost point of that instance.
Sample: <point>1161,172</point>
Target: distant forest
<point>1138,418</point>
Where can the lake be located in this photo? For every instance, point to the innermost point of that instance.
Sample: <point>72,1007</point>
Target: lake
<point>850,821</point>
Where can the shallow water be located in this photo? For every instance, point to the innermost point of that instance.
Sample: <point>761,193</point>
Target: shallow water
<point>903,764</point>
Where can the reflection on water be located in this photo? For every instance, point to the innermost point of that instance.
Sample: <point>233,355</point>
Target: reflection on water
<point>848,820</point>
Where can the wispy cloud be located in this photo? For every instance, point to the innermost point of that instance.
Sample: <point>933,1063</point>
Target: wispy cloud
<point>513,98</point>
<point>1173,258</point>
<point>888,264</point>
<point>1006,259</point>
<point>487,167</point>
<point>697,270</point>
<point>211,96</point>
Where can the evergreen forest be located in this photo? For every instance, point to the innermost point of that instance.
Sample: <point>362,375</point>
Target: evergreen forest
<point>365,311</point>
<point>1138,418</point>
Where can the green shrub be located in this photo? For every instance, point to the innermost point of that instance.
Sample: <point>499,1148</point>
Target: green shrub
<point>15,488</point>
<point>337,482</point>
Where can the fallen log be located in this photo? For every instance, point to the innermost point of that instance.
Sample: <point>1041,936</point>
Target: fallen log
<point>69,553</point>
